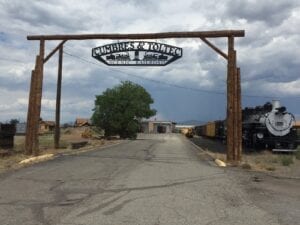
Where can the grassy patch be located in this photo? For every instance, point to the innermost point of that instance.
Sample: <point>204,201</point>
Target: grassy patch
<point>274,159</point>
<point>246,166</point>
<point>297,154</point>
<point>270,168</point>
<point>286,160</point>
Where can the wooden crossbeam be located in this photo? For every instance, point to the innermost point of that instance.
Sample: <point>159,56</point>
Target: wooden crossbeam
<point>191,34</point>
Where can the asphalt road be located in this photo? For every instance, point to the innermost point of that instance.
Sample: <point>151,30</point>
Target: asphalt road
<point>157,179</point>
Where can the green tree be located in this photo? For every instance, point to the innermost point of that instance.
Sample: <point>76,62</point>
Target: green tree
<point>119,110</point>
<point>14,121</point>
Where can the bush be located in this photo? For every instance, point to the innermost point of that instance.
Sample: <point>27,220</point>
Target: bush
<point>246,166</point>
<point>270,168</point>
<point>297,154</point>
<point>286,160</point>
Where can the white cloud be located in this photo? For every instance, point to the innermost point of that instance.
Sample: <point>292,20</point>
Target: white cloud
<point>268,54</point>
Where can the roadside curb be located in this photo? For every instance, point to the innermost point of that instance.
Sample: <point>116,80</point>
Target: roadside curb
<point>217,162</point>
<point>36,159</point>
<point>220,163</point>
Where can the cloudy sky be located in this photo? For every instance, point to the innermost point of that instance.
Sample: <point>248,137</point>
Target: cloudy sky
<point>193,87</point>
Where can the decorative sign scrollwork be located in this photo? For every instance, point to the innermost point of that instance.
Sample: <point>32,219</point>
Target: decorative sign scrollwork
<point>137,53</point>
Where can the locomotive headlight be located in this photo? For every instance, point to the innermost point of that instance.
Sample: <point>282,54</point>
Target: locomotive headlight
<point>260,135</point>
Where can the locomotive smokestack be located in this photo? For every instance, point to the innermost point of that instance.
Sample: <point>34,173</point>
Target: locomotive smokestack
<point>275,105</point>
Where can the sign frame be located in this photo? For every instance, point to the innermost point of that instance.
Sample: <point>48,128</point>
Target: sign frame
<point>137,53</point>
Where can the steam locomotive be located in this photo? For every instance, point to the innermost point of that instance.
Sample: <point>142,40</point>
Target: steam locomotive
<point>267,126</point>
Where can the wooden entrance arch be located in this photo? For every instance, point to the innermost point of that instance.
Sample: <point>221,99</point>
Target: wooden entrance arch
<point>234,112</point>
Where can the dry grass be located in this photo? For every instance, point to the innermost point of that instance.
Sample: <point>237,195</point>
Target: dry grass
<point>281,164</point>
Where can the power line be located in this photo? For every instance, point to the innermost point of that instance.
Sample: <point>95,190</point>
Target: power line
<point>166,83</point>
<point>143,78</point>
<point>157,81</point>
<point>12,60</point>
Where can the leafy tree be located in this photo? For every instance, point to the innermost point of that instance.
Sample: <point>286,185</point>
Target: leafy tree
<point>120,109</point>
<point>14,121</point>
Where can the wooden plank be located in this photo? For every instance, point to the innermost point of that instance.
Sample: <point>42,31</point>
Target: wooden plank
<point>214,48</point>
<point>58,98</point>
<point>191,34</point>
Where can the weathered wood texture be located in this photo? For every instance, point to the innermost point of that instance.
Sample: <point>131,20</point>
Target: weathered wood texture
<point>192,34</point>
<point>29,125</point>
<point>34,106</point>
<point>230,99</point>
<point>58,98</point>
<point>234,115</point>
<point>239,112</point>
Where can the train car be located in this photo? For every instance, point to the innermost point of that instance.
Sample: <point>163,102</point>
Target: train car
<point>200,130</point>
<point>211,130</point>
<point>220,129</point>
<point>267,126</point>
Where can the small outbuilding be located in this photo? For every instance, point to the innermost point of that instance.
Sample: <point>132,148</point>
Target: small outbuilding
<point>154,127</point>
<point>82,122</point>
<point>181,128</point>
<point>46,126</point>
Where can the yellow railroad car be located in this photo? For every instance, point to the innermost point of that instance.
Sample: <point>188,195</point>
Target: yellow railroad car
<point>211,129</point>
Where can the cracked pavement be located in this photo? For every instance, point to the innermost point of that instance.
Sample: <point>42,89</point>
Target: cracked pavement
<point>157,179</point>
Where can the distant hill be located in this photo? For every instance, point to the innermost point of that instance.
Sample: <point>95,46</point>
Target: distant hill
<point>191,122</point>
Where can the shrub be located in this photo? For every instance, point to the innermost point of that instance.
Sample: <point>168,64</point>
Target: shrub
<point>297,154</point>
<point>286,160</point>
<point>246,166</point>
<point>271,168</point>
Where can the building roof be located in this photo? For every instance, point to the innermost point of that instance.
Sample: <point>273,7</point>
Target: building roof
<point>185,126</point>
<point>49,123</point>
<point>158,121</point>
<point>82,121</point>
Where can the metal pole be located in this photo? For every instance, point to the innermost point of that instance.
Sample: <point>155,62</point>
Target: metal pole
<point>58,98</point>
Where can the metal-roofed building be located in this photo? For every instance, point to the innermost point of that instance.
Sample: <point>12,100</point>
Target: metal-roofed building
<point>153,127</point>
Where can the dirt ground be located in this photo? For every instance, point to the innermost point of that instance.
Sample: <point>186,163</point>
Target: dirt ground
<point>46,141</point>
<point>277,164</point>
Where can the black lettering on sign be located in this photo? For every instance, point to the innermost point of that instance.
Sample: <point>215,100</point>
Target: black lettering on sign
<point>137,53</point>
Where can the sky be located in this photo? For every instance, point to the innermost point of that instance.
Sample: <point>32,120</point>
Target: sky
<point>191,88</point>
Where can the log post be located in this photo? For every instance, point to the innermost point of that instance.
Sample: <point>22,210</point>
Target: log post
<point>58,98</point>
<point>38,100</point>
<point>231,70</point>
<point>30,113</point>
<point>239,113</point>
<point>235,110</point>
